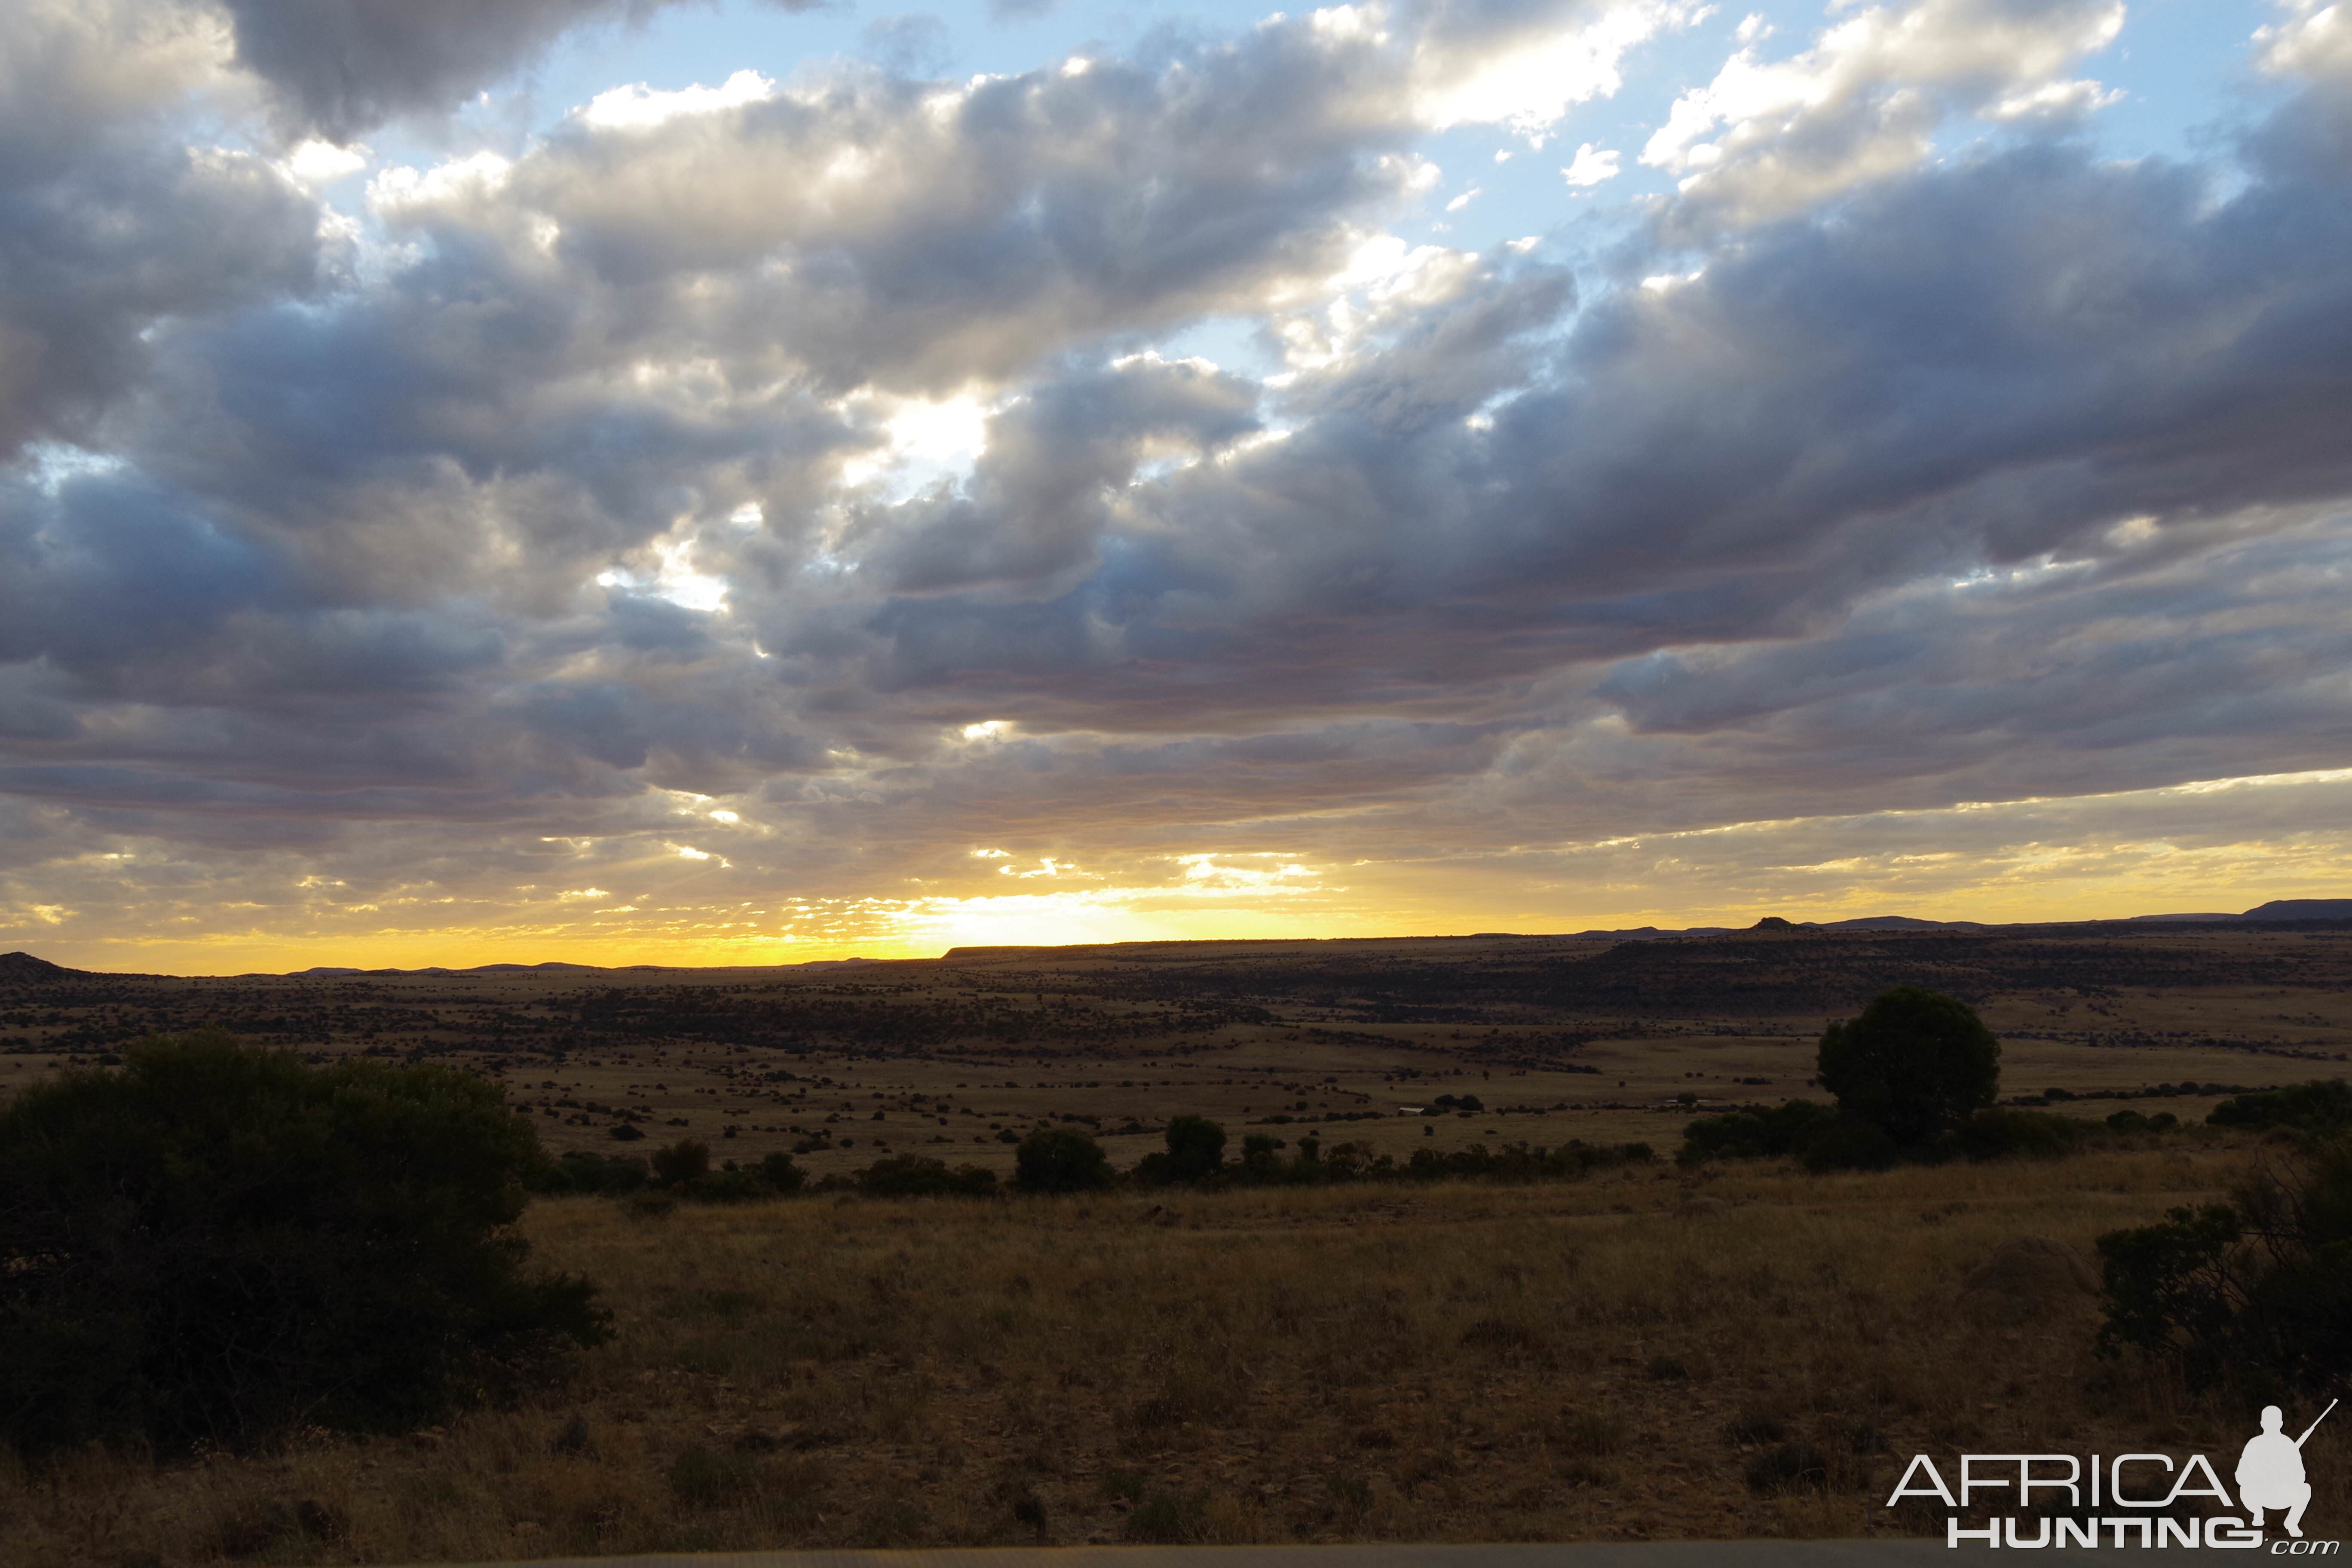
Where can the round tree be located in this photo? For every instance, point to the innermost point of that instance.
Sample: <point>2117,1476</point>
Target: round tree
<point>1058,1159</point>
<point>1196,1147</point>
<point>216,1243</point>
<point>1914,1063</point>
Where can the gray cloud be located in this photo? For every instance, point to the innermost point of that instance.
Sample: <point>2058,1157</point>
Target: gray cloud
<point>343,66</point>
<point>585,507</point>
<point>109,223</point>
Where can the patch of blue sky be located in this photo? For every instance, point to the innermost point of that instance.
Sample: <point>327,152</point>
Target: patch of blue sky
<point>2181,70</point>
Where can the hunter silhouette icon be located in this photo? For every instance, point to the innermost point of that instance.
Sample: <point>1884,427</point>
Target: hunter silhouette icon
<point>2269,1472</point>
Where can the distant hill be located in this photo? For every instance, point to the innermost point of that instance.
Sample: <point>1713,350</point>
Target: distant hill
<point>2276,909</point>
<point>19,967</point>
<point>2300,910</point>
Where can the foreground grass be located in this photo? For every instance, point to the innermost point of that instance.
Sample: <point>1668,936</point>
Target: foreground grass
<point>1594,1360</point>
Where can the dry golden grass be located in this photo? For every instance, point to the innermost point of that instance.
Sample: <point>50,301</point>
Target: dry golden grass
<point>1455,1363</point>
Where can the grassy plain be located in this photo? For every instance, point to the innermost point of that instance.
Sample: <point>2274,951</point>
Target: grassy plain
<point>1558,1037</point>
<point>1606,1358</point>
<point>1596,1360</point>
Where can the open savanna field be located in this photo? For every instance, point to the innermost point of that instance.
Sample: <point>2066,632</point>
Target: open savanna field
<point>1625,1355</point>
<point>955,1057</point>
<point>1603,1359</point>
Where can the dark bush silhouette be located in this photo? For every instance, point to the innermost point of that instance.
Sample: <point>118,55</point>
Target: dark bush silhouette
<point>1059,1160</point>
<point>918,1177</point>
<point>782,1174</point>
<point>578,1171</point>
<point>1754,1133</point>
<point>2257,1292</point>
<point>216,1243</point>
<point>1999,1133</point>
<point>1849,1143</point>
<point>1195,1153</point>
<point>733,1186</point>
<point>682,1163</point>
<point>1913,1063</point>
<point>2323,1106</point>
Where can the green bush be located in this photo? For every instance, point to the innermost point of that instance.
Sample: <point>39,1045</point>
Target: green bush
<point>1997,1134</point>
<point>681,1164</point>
<point>729,1186</point>
<point>578,1171</point>
<point>782,1174</point>
<point>1750,1134</point>
<point>1914,1063</point>
<point>1196,1152</point>
<point>2322,1107</point>
<point>2257,1290</point>
<point>1849,1143</point>
<point>1060,1160</point>
<point>918,1177</point>
<point>216,1243</point>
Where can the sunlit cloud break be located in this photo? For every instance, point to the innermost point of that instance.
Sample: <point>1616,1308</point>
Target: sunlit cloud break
<point>729,489</point>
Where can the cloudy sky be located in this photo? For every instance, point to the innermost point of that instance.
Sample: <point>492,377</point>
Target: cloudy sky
<point>677,480</point>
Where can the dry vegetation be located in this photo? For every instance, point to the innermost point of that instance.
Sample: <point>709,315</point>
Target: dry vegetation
<point>1559,1038</point>
<point>1603,1359</point>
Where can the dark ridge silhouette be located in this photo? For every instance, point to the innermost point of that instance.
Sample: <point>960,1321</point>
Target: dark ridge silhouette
<point>23,966</point>
<point>2300,910</point>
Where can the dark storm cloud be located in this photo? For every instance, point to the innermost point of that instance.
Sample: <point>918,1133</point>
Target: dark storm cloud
<point>345,65</point>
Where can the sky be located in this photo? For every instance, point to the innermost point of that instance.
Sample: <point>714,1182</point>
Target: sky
<point>735,481</point>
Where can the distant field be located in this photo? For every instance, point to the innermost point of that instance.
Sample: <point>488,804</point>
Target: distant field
<point>1557,1039</point>
<point>1594,1360</point>
<point>1579,1360</point>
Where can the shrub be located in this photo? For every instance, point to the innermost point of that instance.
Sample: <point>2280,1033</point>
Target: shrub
<point>1196,1148</point>
<point>735,1186</point>
<point>1996,1133</point>
<point>782,1174</point>
<point>1059,1160</point>
<point>1849,1144</point>
<point>679,1164</point>
<point>1914,1062</point>
<point>216,1243</point>
<point>2258,1290</point>
<point>2323,1106</point>
<point>919,1176</point>
<point>580,1172</point>
<point>1754,1134</point>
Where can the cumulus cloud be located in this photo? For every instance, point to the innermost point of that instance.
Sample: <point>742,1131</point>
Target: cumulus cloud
<point>111,222</point>
<point>1765,138</point>
<point>797,470</point>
